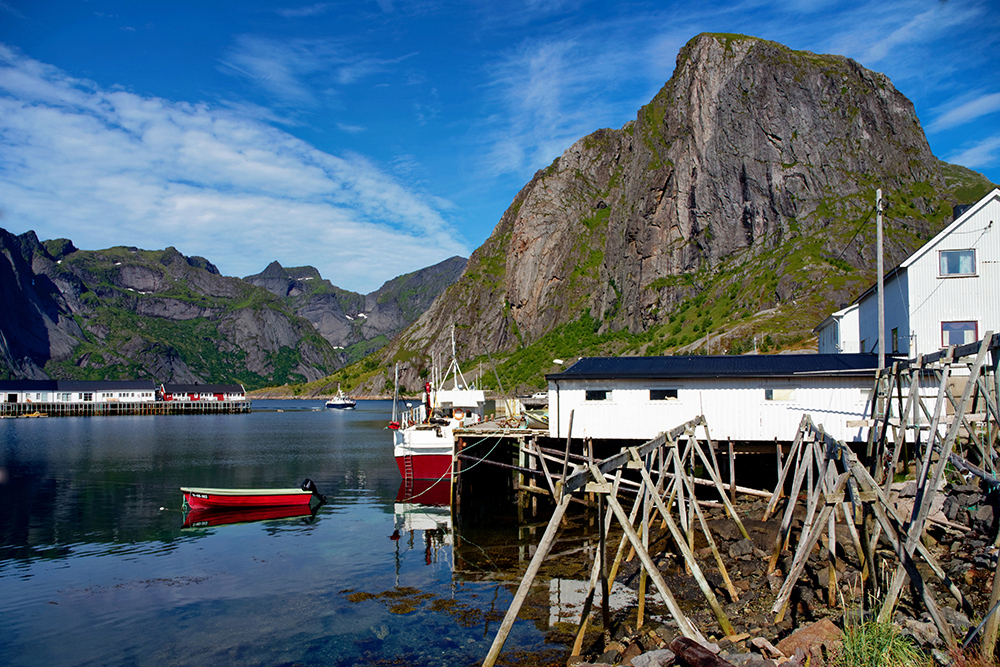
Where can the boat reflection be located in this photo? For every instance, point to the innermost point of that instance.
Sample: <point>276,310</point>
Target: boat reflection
<point>205,518</point>
<point>424,505</point>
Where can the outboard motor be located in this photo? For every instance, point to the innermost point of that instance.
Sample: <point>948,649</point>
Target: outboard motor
<point>309,485</point>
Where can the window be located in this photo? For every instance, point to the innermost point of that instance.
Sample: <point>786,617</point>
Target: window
<point>958,262</point>
<point>959,333</point>
<point>895,340</point>
<point>65,397</point>
<point>779,394</point>
<point>88,395</point>
<point>597,394</point>
<point>662,394</point>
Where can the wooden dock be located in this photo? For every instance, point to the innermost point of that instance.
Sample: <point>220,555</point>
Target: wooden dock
<point>109,408</point>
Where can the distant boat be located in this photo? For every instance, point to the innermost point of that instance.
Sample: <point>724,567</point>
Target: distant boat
<point>202,498</point>
<point>341,401</point>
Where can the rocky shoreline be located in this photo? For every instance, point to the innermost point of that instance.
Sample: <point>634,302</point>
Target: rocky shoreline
<point>962,534</point>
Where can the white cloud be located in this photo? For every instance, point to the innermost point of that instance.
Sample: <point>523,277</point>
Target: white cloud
<point>300,12</point>
<point>108,167</point>
<point>966,111</point>
<point>545,93</point>
<point>290,71</point>
<point>351,129</point>
<point>986,153</point>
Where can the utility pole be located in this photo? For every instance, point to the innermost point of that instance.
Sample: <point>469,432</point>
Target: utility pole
<point>881,285</point>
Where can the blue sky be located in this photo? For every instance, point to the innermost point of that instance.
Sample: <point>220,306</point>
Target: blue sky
<point>373,138</point>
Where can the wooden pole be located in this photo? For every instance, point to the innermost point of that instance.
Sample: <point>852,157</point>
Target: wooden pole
<point>881,280</point>
<point>683,623</point>
<point>544,545</point>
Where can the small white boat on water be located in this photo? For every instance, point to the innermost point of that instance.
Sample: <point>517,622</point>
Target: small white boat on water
<point>341,401</point>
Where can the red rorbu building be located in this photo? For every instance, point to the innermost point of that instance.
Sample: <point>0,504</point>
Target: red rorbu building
<point>203,392</point>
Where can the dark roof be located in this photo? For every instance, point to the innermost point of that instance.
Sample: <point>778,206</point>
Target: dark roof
<point>203,389</point>
<point>106,385</point>
<point>28,385</point>
<point>748,365</point>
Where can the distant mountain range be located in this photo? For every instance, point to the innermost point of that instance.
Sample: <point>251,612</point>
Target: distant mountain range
<point>126,313</point>
<point>735,212</point>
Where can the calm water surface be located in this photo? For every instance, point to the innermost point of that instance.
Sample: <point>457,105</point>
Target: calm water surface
<point>96,567</point>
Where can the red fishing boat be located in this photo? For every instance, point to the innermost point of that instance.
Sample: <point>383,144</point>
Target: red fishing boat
<point>202,498</point>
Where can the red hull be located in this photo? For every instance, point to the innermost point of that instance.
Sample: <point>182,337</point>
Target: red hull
<point>425,492</point>
<point>426,466</point>
<point>201,518</point>
<point>207,499</point>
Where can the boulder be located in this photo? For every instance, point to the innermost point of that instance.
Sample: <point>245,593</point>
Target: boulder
<point>813,639</point>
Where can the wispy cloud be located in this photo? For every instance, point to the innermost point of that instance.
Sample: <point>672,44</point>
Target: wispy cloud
<point>300,12</point>
<point>351,129</point>
<point>966,111</point>
<point>544,91</point>
<point>292,71</point>
<point>108,167</point>
<point>4,7</point>
<point>986,153</point>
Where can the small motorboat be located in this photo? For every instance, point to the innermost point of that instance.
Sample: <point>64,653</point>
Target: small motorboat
<point>202,498</point>
<point>341,401</point>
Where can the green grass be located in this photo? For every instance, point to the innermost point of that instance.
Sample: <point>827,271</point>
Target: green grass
<point>873,644</point>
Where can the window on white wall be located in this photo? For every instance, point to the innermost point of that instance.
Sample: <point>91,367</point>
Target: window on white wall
<point>959,333</point>
<point>958,262</point>
<point>662,394</point>
<point>598,394</point>
<point>779,394</point>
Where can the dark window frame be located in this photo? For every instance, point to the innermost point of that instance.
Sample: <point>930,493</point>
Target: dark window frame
<point>975,330</point>
<point>597,394</point>
<point>663,394</point>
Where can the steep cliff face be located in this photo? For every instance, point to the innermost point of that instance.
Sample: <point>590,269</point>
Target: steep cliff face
<point>357,324</point>
<point>726,207</point>
<point>125,313</point>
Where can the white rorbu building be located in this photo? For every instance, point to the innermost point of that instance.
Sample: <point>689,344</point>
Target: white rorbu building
<point>77,391</point>
<point>749,398</point>
<point>946,293</point>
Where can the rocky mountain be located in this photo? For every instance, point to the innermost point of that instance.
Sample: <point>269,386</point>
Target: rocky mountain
<point>358,323</point>
<point>130,313</point>
<point>737,205</point>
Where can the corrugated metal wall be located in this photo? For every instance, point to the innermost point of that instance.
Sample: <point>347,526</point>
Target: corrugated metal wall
<point>735,409</point>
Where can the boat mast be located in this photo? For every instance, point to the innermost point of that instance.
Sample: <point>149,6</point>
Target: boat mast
<point>454,364</point>
<point>395,391</point>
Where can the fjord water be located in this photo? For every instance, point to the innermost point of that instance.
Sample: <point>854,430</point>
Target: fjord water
<point>96,569</point>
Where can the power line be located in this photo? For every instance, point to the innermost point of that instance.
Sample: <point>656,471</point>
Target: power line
<point>860,227</point>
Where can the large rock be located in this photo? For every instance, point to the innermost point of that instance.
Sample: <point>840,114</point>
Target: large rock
<point>814,640</point>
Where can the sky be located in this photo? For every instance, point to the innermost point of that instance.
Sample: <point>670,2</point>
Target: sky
<point>372,138</point>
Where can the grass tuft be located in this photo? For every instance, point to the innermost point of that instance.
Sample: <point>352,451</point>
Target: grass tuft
<point>874,644</point>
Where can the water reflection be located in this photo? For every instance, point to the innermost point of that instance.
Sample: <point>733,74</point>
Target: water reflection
<point>205,518</point>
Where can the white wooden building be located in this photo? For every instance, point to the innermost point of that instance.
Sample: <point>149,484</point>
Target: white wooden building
<point>946,293</point>
<point>77,391</point>
<point>203,392</point>
<point>749,398</point>
<point>838,333</point>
